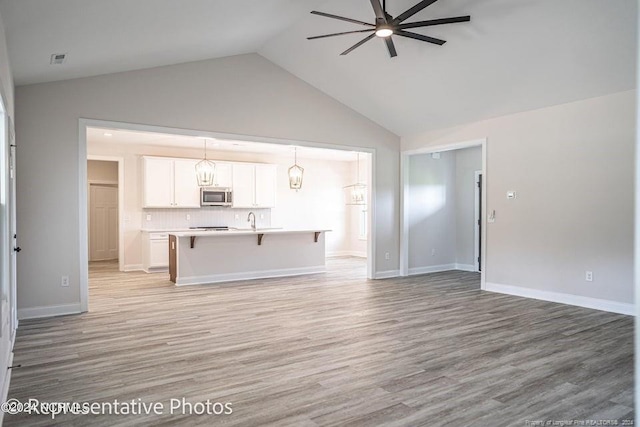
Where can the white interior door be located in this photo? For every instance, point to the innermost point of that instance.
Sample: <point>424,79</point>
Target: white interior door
<point>103,222</point>
<point>13,266</point>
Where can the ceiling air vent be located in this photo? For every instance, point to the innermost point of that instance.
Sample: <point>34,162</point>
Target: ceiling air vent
<point>58,58</point>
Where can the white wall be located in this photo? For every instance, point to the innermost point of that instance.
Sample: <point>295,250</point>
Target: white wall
<point>243,94</point>
<point>318,204</point>
<point>572,166</point>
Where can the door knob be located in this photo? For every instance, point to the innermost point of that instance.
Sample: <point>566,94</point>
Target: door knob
<point>18,249</point>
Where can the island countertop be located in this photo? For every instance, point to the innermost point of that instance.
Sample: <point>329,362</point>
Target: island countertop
<point>245,232</point>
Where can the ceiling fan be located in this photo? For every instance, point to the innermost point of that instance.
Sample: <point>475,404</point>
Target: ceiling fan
<point>387,26</point>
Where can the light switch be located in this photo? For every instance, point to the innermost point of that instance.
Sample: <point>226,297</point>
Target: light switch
<point>148,217</point>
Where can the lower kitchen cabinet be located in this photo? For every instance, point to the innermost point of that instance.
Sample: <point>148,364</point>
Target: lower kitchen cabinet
<point>155,251</point>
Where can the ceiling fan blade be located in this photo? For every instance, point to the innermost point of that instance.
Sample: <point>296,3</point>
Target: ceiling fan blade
<point>419,37</point>
<point>391,47</point>
<point>357,45</point>
<point>377,8</point>
<point>340,34</point>
<point>435,22</point>
<point>412,11</point>
<point>342,18</point>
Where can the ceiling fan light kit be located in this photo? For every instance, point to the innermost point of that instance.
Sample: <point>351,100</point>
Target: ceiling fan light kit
<point>387,26</point>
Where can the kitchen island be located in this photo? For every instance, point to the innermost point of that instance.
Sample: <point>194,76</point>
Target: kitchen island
<point>198,257</point>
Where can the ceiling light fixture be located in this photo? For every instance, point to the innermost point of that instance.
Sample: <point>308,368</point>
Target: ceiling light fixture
<point>356,193</point>
<point>205,170</point>
<point>295,173</point>
<point>384,31</point>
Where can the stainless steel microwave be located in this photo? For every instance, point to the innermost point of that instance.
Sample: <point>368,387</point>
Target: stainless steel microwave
<point>215,196</point>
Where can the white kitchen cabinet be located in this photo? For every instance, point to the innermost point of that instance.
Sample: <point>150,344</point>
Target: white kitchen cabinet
<point>186,190</point>
<point>155,251</point>
<point>254,185</point>
<point>224,175</point>
<point>266,181</point>
<point>170,183</point>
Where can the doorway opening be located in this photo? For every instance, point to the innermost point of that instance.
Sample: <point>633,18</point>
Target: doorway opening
<point>444,194</point>
<point>102,181</point>
<point>323,202</point>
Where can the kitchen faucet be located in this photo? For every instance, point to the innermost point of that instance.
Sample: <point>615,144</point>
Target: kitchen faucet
<point>253,223</point>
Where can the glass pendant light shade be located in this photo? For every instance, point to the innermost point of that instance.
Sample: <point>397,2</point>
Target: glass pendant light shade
<point>205,170</point>
<point>295,174</point>
<point>356,194</point>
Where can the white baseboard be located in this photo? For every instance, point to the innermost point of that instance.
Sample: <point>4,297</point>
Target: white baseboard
<point>467,267</point>
<point>48,311</point>
<point>358,254</point>
<point>431,269</point>
<point>250,275</point>
<point>443,267</point>
<point>133,267</point>
<point>577,300</point>
<point>386,274</point>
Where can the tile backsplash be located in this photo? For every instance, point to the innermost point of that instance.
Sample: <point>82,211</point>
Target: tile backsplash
<point>176,219</point>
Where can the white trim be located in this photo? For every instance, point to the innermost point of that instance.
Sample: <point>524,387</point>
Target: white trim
<point>387,274</point>
<point>404,200</point>
<point>7,381</point>
<point>466,267</point>
<point>49,311</point>
<point>133,267</point>
<point>443,267</point>
<point>359,254</point>
<point>250,275</point>
<point>476,219</point>
<point>562,298</point>
<point>431,269</point>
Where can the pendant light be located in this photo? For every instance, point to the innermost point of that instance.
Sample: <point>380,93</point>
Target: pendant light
<point>356,193</point>
<point>295,173</point>
<point>205,170</point>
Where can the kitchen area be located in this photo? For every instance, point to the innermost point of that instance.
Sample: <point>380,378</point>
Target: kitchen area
<point>255,210</point>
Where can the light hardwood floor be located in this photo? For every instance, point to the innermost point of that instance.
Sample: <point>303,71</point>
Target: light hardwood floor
<point>327,349</point>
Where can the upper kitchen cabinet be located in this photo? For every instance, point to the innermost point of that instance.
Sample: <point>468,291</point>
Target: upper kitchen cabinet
<point>170,183</point>
<point>254,185</point>
<point>223,176</point>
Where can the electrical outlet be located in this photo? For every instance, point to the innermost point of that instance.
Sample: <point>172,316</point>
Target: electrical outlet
<point>237,217</point>
<point>148,217</point>
<point>188,217</point>
<point>588,276</point>
<point>261,216</point>
<point>387,255</point>
<point>65,281</point>
<point>433,252</point>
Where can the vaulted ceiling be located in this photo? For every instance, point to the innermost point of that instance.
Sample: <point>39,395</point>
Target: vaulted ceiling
<point>514,55</point>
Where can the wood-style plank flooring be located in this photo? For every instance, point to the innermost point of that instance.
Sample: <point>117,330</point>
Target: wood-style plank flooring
<point>327,350</point>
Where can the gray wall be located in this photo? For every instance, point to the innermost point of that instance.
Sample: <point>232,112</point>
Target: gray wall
<point>432,211</point>
<point>243,94</point>
<point>572,166</point>
<point>441,210</point>
<point>468,161</point>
